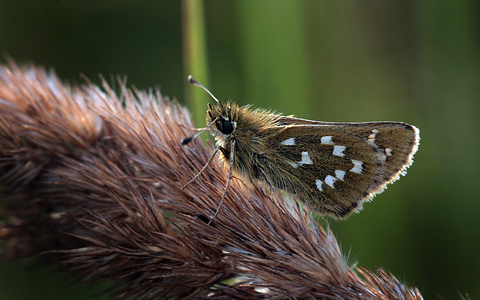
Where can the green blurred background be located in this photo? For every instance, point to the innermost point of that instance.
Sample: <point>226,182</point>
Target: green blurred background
<point>372,60</point>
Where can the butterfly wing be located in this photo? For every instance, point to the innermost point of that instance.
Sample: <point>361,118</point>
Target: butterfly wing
<point>399,141</point>
<point>334,167</point>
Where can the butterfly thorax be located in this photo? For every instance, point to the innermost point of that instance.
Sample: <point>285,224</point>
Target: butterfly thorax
<point>241,123</point>
<point>247,126</point>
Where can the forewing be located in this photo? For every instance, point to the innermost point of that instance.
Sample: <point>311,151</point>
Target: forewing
<point>333,167</point>
<point>398,141</point>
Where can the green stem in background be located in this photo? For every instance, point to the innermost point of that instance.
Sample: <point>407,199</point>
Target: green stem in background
<point>274,48</point>
<point>195,57</point>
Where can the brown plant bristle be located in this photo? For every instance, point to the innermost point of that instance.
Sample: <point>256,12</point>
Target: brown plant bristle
<point>103,176</point>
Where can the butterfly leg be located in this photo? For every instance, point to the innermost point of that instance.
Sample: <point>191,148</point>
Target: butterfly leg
<point>203,169</point>
<point>230,175</point>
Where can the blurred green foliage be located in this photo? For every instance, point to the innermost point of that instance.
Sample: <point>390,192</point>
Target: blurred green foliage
<point>373,60</point>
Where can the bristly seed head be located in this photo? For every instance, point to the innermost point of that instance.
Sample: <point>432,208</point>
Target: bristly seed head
<point>107,177</point>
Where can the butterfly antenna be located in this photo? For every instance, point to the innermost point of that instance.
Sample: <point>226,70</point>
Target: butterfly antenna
<point>189,139</point>
<point>196,83</point>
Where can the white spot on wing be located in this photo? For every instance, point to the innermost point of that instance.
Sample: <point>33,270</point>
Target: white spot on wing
<point>306,160</point>
<point>357,168</point>
<point>340,174</point>
<point>371,137</point>
<point>388,151</point>
<point>319,184</point>
<point>292,164</point>
<point>330,180</point>
<point>288,142</point>
<point>338,150</point>
<point>327,140</point>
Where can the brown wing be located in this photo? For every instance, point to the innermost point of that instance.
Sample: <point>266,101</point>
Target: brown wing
<point>399,141</point>
<point>333,167</point>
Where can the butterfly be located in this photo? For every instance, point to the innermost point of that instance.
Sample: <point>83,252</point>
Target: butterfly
<point>331,167</point>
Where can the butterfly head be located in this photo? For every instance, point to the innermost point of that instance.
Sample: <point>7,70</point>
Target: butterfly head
<point>220,120</point>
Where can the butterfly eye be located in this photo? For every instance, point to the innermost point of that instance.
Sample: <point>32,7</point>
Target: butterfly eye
<point>225,126</point>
